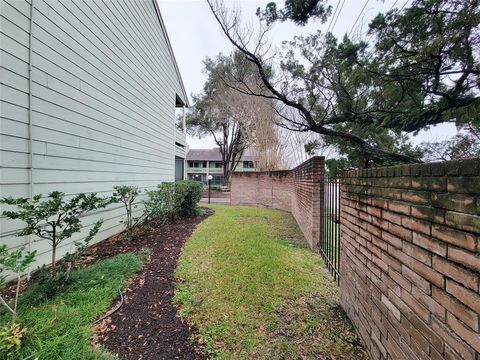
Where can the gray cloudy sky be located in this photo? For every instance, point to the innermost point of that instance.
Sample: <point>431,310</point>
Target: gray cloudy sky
<point>195,34</point>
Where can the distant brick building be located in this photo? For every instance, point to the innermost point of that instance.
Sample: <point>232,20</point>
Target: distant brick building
<point>204,162</point>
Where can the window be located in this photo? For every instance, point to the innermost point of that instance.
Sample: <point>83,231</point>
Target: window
<point>217,180</point>
<point>190,164</point>
<point>248,165</point>
<point>199,164</point>
<point>215,164</point>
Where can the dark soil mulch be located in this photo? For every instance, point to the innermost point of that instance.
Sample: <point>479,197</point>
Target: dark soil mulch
<point>147,326</point>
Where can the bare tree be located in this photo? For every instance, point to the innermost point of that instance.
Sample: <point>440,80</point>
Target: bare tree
<point>223,115</point>
<point>267,144</point>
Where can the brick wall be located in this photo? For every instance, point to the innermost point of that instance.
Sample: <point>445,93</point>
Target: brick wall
<point>410,259</point>
<point>297,191</point>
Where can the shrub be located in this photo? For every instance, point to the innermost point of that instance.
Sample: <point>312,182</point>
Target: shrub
<point>173,200</point>
<point>160,205</point>
<point>16,261</point>
<point>55,219</point>
<point>11,340</point>
<point>127,195</point>
<point>187,193</point>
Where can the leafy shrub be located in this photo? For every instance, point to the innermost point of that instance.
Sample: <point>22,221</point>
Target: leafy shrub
<point>160,205</point>
<point>55,219</point>
<point>11,340</point>
<point>126,195</point>
<point>187,193</point>
<point>16,261</point>
<point>173,200</point>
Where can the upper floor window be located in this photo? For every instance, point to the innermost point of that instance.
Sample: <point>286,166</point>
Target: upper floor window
<point>216,164</point>
<point>197,164</point>
<point>248,165</point>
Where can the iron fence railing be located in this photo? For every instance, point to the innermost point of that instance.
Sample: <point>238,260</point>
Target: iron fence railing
<point>329,244</point>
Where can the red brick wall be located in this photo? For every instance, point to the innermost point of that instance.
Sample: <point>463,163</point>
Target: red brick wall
<point>297,191</point>
<point>410,259</point>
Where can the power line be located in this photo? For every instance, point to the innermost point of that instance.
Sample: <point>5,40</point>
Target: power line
<point>333,17</point>
<point>358,17</point>
<point>338,15</point>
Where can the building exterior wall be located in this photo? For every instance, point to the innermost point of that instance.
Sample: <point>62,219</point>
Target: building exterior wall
<point>102,107</point>
<point>299,191</point>
<point>410,259</point>
<point>201,173</point>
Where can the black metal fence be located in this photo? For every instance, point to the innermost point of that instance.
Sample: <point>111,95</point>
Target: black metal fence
<point>329,244</point>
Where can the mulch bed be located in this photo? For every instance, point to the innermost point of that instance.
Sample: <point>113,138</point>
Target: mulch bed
<point>147,326</point>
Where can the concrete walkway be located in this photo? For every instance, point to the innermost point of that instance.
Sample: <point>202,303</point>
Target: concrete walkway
<point>216,200</point>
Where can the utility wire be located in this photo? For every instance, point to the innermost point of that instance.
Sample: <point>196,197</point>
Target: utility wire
<point>333,17</point>
<point>358,17</point>
<point>338,15</point>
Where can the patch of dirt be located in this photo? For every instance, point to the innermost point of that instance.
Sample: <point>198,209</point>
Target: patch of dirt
<point>147,326</point>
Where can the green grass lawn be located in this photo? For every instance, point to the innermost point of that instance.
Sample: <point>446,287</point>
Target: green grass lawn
<point>254,290</point>
<point>61,328</point>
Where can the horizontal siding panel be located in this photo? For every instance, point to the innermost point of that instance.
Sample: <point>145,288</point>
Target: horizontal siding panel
<point>61,163</point>
<point>14,190</point>
<point>14,128</point>
<point>13,112</point>
<point>21,6</point>
<point>123,101</point>
<point>72,40</point>
<point>14,176</point>
<point>13,47</point>
<point>51,136</point>
<point>99,187</point>
<point>14,159</point>
<point>45,176</point>
<point>14,80</point>
<point>103,105</point>
<point>56,151</point>
<point>14,30</point>
<point>14,96</point>
<point>42,120</point>
<point>12,63</point>
<point>131,57</point>
<point>75,101</point>
<point>12,143</point>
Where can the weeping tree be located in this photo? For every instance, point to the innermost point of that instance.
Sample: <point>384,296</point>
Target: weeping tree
<point>422,69</point>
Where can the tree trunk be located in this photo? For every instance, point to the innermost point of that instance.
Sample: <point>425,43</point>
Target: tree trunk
<point>53,269</point>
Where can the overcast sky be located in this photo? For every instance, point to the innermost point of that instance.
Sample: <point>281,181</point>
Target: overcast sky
<point>195,34</point>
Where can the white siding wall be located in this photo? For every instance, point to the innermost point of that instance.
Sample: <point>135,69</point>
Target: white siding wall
<point>103,103</point>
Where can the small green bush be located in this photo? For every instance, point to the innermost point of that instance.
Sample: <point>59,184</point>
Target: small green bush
<point>160,205</point>
<point>173,200</point>
<point>187,194</point>
<point>126,195</point>
<point>55,219</point>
